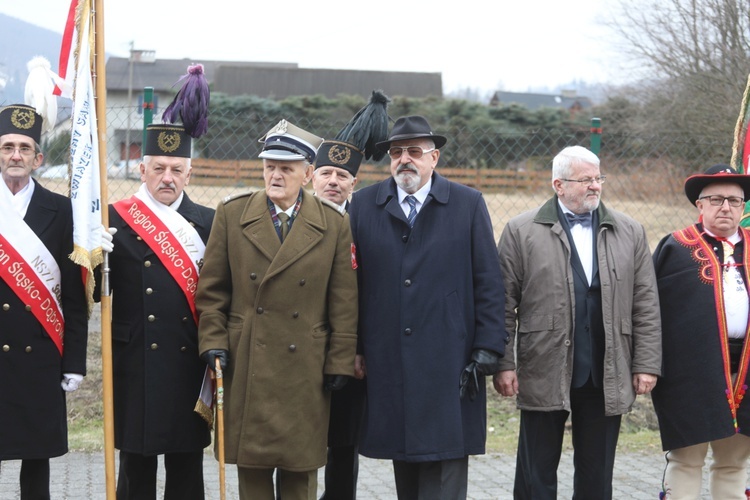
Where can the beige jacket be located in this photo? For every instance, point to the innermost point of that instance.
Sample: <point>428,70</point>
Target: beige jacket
<point>539,308</point>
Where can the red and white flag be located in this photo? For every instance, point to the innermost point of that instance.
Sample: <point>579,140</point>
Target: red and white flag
<point>76,58</point>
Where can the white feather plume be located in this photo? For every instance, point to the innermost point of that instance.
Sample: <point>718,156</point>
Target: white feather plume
<point>39,87</point>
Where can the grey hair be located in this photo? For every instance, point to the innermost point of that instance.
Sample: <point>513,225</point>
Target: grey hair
<point>563,163</point>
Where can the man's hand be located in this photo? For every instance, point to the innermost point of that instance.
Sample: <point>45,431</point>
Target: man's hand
<point>506,382</point>
<point>643,383</point>
<point>107,237</point>
<point>334,382</point>
<point>211,355</point>
<point>360,368</point>
<point>483,363</point>
<point>71,381</point>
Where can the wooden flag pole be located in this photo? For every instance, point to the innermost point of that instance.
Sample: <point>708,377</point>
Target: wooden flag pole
<point>106,297</point>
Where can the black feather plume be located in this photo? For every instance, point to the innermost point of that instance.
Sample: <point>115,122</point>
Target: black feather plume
<point>368,127</point>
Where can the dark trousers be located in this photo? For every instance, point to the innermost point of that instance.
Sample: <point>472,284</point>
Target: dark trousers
<point>441,480</point>
<point>594,443</point>
<point>341,473</point>
<point>184,476</point>
<point>34,479</point>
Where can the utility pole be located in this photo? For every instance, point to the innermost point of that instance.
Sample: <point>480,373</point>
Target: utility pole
<point>128,110</point>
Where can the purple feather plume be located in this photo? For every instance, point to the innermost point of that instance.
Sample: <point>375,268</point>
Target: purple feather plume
<point>190,105</point>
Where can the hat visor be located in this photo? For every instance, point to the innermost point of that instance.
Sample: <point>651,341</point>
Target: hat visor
<point>281,155</point>
<point>695,184</point>
<point>439,140</point>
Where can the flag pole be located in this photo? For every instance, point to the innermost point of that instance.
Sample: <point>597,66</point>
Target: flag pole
<point>106,297</point>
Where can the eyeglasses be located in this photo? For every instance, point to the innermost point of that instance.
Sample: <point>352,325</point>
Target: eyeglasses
<point>415,152</point>
<point>717,201</point>
<point>23,150</point>
<point>588,181</point>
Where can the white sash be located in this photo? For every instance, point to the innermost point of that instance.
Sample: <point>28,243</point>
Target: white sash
<point>29,268</point>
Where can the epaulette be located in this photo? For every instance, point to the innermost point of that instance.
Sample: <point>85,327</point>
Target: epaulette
<point>332,205</point>
<point>234,196</point>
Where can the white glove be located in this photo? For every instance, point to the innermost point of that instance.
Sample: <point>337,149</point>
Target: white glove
<point>107,244</point>
<point>71,381</point>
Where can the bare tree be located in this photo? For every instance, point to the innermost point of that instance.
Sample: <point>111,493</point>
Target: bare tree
<point>695,57</point>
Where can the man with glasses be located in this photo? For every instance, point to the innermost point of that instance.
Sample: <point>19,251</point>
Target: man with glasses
<point>702,276</point>
<point>42,307</point>
<point>583,315</point>
<point>431,316</point>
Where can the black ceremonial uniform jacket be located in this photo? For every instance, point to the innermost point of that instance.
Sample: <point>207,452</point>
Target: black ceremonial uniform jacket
<point>157,371</point>
<point>33,418</point>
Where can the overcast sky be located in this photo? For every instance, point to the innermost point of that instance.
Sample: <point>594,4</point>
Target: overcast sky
<point>485,45</point>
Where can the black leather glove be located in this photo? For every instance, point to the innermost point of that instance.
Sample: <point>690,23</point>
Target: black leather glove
<point>221,354</point>
<point>334,382</point>
<point>483,363</point>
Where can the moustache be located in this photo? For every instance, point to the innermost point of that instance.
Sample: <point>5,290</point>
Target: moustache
<point>171,185</point>
<point>407,167</point>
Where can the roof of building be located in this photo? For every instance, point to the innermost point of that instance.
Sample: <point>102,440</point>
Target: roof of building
<point>535,101</point>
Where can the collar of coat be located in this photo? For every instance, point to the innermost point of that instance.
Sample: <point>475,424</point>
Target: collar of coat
<point>440,190</point>
<point>547,214</point>
<point>309,228</point>
<point>189,210</point>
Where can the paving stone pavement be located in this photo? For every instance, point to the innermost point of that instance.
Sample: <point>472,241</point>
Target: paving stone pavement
<point>80,476</point>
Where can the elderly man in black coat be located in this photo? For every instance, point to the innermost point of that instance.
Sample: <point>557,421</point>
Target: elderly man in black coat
<point>431,321</point>
<point>158,251</point>
<point>43,307</point>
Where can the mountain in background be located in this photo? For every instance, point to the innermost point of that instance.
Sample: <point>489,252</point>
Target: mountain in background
<point>19,43</point>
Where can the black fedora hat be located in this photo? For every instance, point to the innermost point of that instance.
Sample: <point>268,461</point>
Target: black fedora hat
<point>717,173</point>
<point>412,127</point>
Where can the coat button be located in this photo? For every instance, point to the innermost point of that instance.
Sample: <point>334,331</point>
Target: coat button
<point>407,283</point>
<point>6,348</point>
<point>147,263</point>
<point>405,238</point>
<point>183,349</point>
<point>259,310</point>
<point>567,343</point>
<point>28,307</point>
<point>295,315</point>
<point>292,348</point>
<point>149,291</point>
<point>184,319</point>
<point>192,224</point>
<point>253,276</point>
<point>139,238</point>
<point>151,318</point>
<point>28,348</point>
<point>6,307</point>
<point>302,282</point>
<point>407,331</point>
<point>154,346</point>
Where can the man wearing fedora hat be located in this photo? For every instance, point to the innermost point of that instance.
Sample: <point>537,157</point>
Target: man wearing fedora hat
<point>42,307</point>
<point>702,274</point>
<point>277,302</point>
<point>431,316</point>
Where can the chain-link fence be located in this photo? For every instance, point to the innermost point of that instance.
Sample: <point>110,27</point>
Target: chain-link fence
<point>645,174</point>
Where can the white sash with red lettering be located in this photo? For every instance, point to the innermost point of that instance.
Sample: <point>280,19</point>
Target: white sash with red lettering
<point>30,270</point>
<point>177,244</point>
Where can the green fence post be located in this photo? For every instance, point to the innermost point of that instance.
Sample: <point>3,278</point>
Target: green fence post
<point>596,135</point>
<point>148,112</point>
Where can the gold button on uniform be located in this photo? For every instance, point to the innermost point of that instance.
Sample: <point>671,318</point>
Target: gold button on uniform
<point>6,348</point>
<point>183,349</point>
<point>28,307</point>
<point>6,307</point>
<point>149,291</point>
<point>138,238</point>
<point>28,348</point>
<point>154,346</point>
<point>151,318</point>
<point>147,263</point>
